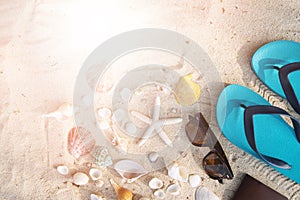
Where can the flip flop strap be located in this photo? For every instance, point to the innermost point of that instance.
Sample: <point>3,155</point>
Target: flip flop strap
<point>249,130</point>
<point>287,86</point>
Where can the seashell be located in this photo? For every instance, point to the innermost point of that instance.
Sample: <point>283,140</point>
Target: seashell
<point>187,92</point>
<point>103,125</point>
<point>95,174</point>
<point>80,142</point>
<point>155,183</point>
<point>63,112</point>
<point>99,183</point>
<point>119,115</point>
<point>129,170</point>
<point>194,180</point>
<point>63,170</point>
<point>80,178</point>
<point>178,172</point>
<point>202,193</point>
<point>122,193</point>
<point>102,157</point>
<point>160,194</point>
<point>104,113</point>
<point>153,156</point>
<point>173,189</point>
<point>144,198</point>
<point>125,94</point>
<point>96,197</point>
<point>130,128</point>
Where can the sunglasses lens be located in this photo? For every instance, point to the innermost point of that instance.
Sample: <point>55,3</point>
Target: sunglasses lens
<point>215,167</point>
<point>196,130</point>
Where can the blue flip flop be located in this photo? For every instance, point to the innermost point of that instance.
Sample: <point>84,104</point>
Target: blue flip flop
<point>251,123</point>
<point>277,64</point>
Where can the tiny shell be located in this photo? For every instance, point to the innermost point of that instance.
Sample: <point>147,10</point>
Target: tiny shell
<point>80,178</point>
<point>155,183</point>
<point>160,194</point>
<point>174,189</point>
<point>125,94</point>
<point>153,156</point>
<point>104,113</point>
<point>178,172</point>
<point>130,128</point>
<point>202,193</point>
<point>102,157</point>
<point>99,183</point>
<point>95,197</point>
<point>123,193</point>
<point>129,170</point>
<point>80,142</point>
<point>63,112</point>
<point>95,174</point>
<point>63,170</point>
<point>194,180</point>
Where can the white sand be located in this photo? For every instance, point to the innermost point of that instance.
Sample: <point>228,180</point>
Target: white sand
<point>43,45</point>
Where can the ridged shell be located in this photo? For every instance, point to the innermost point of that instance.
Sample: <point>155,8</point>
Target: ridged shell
<point>129,170</point>
<point>80,142</point>
<point>202,193</point>
<point>102,157</point>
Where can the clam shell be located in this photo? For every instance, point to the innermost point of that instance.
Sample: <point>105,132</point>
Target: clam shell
<point>63,170</point>
<point>102,157</point>
<point>194,180</point>
<point>95,174</point>
<point>202,193</point>
<point>129,170</point>
<point>80,142</point>
<point>178,172</point>
<point>155,183</point>
<point>174,189</point>
<point>160,194</point>
<point>80,178</point>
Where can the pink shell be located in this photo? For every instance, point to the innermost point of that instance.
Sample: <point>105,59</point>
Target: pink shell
<point>80,142</point>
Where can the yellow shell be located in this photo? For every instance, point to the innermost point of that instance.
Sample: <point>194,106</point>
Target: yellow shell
<point>187,91</point>
<point>123,193</point>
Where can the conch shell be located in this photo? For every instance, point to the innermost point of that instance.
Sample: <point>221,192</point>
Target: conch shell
<point>80,142</point>
<point>123,193</point>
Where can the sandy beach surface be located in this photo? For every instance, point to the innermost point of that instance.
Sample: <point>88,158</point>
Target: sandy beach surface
<point>43,45</point>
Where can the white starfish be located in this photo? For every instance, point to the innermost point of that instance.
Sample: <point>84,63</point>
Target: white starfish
<point>155,124</point>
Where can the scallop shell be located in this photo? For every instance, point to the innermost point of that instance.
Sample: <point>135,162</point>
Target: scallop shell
<point>102,157</point>
<point>95,174</point>
<point>80,142</point>
<point>80,178</point>
<point>160,194</point>
<point>187,91</point>
<point>155,183</point>
<point>178,172</point>
<point>63,170</point>
<point>123,193</point>
<point>174,189</point>
<point>63,112</point>
<point>194,180</point>
<point>202,193</point>
<point>129,170</point>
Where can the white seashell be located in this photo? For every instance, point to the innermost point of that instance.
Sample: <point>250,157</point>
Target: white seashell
<point>178,172</point>
<point>63,170</point>
<point>174,189</point>
<point>155,183</point>
<point>80,178</point>
<point>125,94</point>
<point>119,115</point>
<point>130,128</point>
<point>99,183</point>
<point>129,170</point>
<point>95,174</point>
<point>95,197</point>
<point>63,112</point>
<point>194,180</point>
<point>153,156</point>
<point>160,194</point>
<point>104,113</point>
<point>202,193</point>
<point>104,125</point>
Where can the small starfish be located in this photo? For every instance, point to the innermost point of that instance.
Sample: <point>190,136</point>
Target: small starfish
<point>155,124</point>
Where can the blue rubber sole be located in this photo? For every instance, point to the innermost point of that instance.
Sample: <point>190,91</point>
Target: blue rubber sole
<point>274,137</point>
<point>277,53</point>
